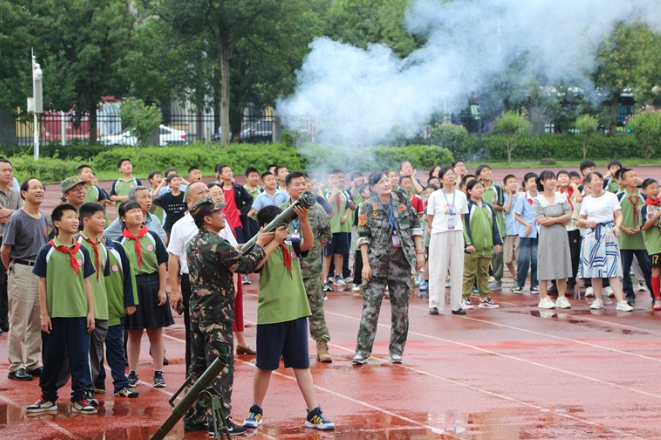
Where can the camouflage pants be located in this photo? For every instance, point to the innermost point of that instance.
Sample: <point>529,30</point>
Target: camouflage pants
<point>209,342</point>
<point>394,272</point>
<point>315,291</point>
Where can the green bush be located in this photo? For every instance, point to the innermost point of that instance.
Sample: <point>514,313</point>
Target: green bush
<point>450,136</point>
<point>326,157</point>
<point>54,149</point>
<point>46,169</point>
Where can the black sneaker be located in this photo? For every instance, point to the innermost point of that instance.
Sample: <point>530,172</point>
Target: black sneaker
<point>82,406</point>
<point>232,429</point>
<point>192,424</point>
<point>127,392</point>
<point>166,361</point>
<point>133,378</point>
<point>89,396</point>
<point>41,405</point>
<point>254,418</point>
<point>316,420</point>
<point>327,287</point>
<point>159,380</point>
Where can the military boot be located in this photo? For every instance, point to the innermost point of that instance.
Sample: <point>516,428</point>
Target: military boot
<point>322,352</point>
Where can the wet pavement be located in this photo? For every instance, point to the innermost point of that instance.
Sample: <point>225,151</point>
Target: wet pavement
<point>511,373</point>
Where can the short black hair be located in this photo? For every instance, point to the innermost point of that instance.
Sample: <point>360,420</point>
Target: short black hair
<point>574,174</point>
<point>267,214</point>
<point>479,169</point>
<point>432,186</point>
<point>454,164</point>
<point>58,212</point>
<point>623,172</point>
<point>4,160</point>
<point>153,174</point>
<point>508,177</point>
<point>251,170</point>
<point>647,182</point>
<point>613,163</point>
<point>356,174</point>
<point>294,175</point>
<point>401,179</point>
<point>169,170</point>
<point>122,160</point>
<point>88,210</point>
<point>618,173</point>
<point>26,185</point>
<point>266,174</point>
<point>212,184</point>
<point>171,177</point>
<point>128,206</point>
<point>278,168</point>
<point>220,167</point>
<point>563,172</point>
<point>82,167</point>
<point>586,164</point>
<point>470,185</point>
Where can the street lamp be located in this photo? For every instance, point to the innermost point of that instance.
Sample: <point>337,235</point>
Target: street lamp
<point>37,102</point>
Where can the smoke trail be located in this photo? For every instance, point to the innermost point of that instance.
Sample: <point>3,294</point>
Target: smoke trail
<point>359,97</point>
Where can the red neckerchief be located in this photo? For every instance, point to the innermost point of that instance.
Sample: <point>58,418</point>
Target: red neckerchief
<point>635,209</point>
<point>138,250</point>
<point>338,201</point>
<point>570,193</point>
<point>285,252</point>
<point>71,252</point>
<point>95,245</point>
<point>528,198</point>
<point>656,202</point>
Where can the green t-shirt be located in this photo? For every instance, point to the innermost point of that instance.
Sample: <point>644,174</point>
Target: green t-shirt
<point>120,284</point>
<point>65,290</point>
<point>97,281</point>
<point>153,253</point>
<point>339,204</point>
<point>652,236</point>
<point>631,206</point>
<point>122,188</point>
<point>282,295</point>
<point>494,196</point>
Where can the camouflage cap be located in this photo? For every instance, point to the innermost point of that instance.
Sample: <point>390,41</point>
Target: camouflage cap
<point>69,183</point>
<point>205,206</point>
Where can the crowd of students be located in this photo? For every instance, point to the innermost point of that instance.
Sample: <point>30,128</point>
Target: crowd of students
<point>90,290</point>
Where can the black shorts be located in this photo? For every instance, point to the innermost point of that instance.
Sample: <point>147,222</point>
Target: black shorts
<point>288,340</point>
<point>655,259</point>
<point>339,244</point>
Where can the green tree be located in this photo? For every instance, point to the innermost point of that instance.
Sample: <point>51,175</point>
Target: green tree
<point>140,119</point>
<point>364,22</point>
<point>628,58</point>
<point>587,125</point>
<point>220,34</point>
<point>513,125</point>
<point>646,126</point>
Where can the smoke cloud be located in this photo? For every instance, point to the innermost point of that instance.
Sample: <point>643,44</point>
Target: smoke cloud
<point>359,97</point>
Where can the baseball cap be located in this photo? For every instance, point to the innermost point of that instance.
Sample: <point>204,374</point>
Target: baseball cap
<point>70,182</point>
<point>205,206</point>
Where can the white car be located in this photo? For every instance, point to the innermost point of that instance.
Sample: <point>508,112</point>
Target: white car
<point>166,135</point>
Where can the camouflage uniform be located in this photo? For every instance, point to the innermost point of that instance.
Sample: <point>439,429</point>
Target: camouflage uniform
<point>311,266</point>
<point>390,267</point>
<point>211,263</point>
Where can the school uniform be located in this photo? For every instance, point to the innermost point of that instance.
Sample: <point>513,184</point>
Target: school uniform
<point>67,306</point>
<point>527,243</point>
<point>494,196</point>
<point>121,187</point>
<point>145,266</point>
<point>481,232</point>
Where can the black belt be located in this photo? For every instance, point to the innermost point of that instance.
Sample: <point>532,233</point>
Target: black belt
<point>24,262</point>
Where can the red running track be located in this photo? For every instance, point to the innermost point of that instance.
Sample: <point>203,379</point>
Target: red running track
<point>511,373</point>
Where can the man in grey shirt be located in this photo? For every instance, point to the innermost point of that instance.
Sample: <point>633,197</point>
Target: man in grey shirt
<point>25,234</point>
<point>141,195</point>
<point>10,201</point>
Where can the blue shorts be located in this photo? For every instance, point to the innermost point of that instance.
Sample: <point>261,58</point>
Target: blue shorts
<point>339,244</point>
<point>288,340</point>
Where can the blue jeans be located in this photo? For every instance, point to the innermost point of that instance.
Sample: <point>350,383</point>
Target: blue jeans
<point>527,260</point>
<point>645,265</point>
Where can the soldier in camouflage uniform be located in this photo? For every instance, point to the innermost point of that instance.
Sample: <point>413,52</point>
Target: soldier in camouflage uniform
<point>390,240</point>
<point>211,263</point>
<point>311,265</point>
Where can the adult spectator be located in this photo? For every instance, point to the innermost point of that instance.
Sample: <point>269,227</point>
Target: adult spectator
<point>238,201</point>
<point>10,201</point>
<point>24,235</point>
<point>141,195</point>
<point>73,191</point>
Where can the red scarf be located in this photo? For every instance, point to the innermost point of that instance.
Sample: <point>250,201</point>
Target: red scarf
<point>71,252</point>
<point>570,193</point>
<point>656,202</point>
<point>285,252</point>
<point>138,250</point>
<point>528,198</point>
<point>94,244</point>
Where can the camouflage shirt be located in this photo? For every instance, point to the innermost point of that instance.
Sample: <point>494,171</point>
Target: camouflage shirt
<point>321,228</point>
<point>211,263</point>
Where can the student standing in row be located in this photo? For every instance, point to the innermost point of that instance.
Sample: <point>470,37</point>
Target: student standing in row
<point>650,214</point>
<point>527,225</point>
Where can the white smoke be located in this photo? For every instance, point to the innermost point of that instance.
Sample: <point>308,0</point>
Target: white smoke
<point>360,97</point>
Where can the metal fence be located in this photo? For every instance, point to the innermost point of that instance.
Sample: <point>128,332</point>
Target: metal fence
<point>257,125</point>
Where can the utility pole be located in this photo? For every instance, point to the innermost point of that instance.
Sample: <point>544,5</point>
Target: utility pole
<point>37,102</point>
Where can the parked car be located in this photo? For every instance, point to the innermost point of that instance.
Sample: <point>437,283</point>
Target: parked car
<point>166,135</point>
<point>257,132</point>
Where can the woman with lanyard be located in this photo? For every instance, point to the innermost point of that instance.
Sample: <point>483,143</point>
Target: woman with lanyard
<point>601,215</point>
<point>390,240</point>
<point>553,211</point>
<point>445,218</point>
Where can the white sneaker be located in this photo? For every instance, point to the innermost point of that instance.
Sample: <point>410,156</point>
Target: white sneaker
<point>589,292</point>
<point>562,303</point>
<point>623,306</point>
<point>598,304</point>
<point>608,291</point>
<point>546,303</point>
<point>642,287</point>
